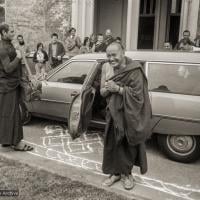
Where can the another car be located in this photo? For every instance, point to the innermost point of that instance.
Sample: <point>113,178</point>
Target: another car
<point>71,91</point>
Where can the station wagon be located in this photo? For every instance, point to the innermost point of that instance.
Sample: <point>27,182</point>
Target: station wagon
<point>72,92</point>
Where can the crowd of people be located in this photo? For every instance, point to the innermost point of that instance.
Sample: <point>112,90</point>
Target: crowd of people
<point>70,47</point>
<point>73,45</point>
<point>185,43</point>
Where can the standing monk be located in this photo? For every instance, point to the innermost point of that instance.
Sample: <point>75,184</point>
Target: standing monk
<point>124,85</point>
<point>11,132</point>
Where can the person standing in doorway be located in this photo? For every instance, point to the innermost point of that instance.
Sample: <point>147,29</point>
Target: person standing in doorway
<point>108,37</point>
<point>56,51</point>
<point>185,44</point>
<point>124,85</point>
<point>100,45</point>
<point>11,132</point>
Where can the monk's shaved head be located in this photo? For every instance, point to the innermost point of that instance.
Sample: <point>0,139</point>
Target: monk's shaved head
<point>115,54</point>
<point>115,45</point>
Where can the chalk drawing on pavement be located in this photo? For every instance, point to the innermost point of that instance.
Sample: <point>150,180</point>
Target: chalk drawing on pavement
<point>57,145</point>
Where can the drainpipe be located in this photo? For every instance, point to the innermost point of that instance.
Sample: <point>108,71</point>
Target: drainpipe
<point>83,18</point>
<point>74,19</point>
<point>133,13</point>
<point>185,16</point>
<point>129,19</point>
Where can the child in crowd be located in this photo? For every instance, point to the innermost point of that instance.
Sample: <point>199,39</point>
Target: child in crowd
<point>40,58</point>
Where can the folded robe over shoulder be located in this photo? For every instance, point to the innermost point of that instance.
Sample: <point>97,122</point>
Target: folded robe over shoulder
<point>131,112</point>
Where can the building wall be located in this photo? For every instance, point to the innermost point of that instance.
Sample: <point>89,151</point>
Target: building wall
<point>37,19</point>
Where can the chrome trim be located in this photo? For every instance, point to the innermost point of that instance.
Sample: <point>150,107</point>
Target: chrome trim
<point>55,101</point>
<point>176,118</point>
<point>146,65</point>
<point>169,63</point>
<point>98,122</point>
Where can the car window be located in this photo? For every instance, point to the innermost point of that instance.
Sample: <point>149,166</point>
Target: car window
<point>75,73</point>
<point>174,78</point>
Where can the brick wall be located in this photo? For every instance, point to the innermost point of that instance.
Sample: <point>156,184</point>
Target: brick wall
<point>37,19</point>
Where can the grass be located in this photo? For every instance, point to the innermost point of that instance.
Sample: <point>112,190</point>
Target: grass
<point>34,184</point>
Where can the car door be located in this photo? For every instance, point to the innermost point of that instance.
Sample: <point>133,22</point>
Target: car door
<point>60,88</point>
<point>80,112</point>
<point>175,96</point>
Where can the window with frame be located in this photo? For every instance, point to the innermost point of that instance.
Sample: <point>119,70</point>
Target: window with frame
<point>74,73</point>
<point>174,78</point>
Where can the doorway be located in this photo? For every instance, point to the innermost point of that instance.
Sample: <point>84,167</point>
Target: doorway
<point>112,15</point>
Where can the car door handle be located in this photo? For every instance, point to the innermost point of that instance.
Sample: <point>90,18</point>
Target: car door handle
<point>74,93</point>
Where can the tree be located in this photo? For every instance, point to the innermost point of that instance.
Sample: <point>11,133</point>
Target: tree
<point>42,8</point>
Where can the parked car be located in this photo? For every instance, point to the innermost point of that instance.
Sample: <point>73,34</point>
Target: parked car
<point>71,91</point>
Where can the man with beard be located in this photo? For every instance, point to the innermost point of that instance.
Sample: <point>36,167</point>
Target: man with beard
<point>11,132</point>
<point>185,44</point>
<point>124,85</point>
<point>24,49</point>
<point>22,46</point>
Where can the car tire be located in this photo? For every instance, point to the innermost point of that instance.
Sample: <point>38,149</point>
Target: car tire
<point>180,148</point>
<point>25,115</point>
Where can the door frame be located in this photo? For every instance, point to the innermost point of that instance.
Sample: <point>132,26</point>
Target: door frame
<point>123,19</point>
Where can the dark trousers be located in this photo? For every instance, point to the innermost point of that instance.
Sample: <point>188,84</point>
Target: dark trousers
<point>55,62</point>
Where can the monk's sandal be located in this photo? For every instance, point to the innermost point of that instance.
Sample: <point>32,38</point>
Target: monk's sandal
<point>128,182</point>
<point>111,180</point>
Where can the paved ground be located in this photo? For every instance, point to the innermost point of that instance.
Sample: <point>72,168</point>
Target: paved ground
<point>81,160</point>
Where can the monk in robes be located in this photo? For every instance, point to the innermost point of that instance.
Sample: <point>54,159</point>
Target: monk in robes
<point>11,132</point>
<point>128,118</point>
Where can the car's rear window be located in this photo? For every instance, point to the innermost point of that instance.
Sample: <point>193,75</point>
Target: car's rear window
<point>74,72</point>
<point>174,78</point>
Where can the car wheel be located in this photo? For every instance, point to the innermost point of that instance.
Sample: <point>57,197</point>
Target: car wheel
<point>25,115</point>
<point>180,148</point>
